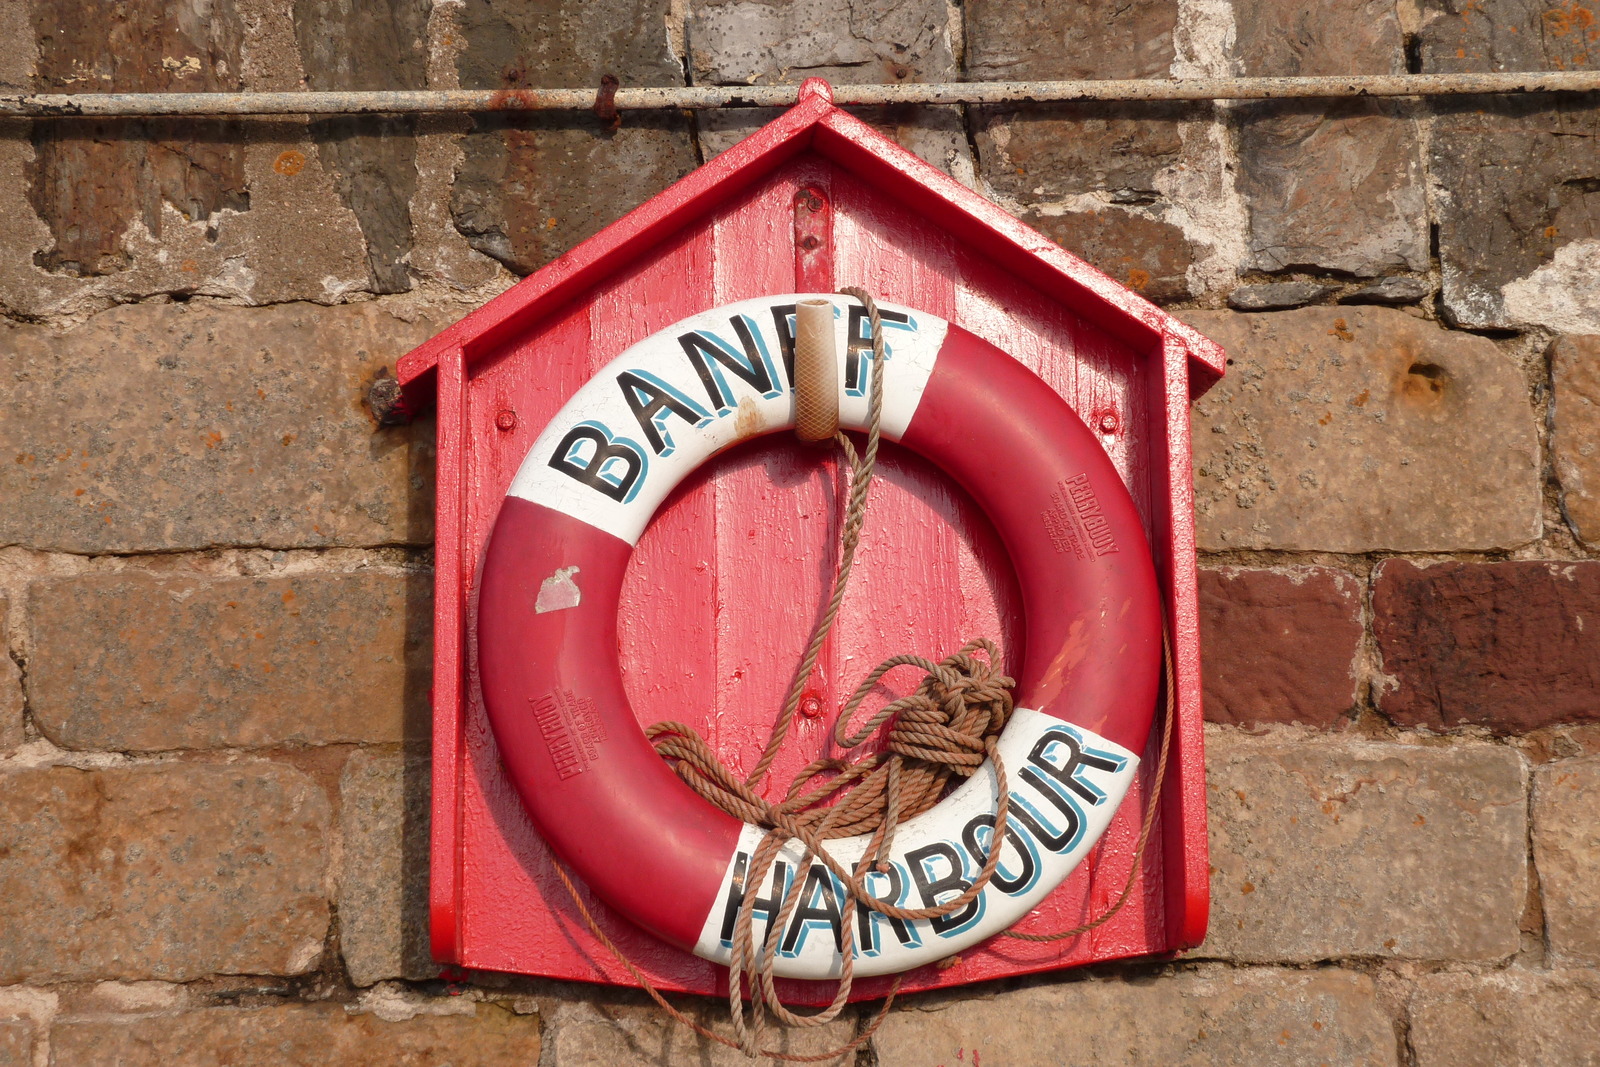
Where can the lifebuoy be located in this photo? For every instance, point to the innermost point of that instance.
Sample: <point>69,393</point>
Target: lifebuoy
<point>609,806</point>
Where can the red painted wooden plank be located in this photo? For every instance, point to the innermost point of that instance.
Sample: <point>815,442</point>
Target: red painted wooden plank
<point>1187,847</point>
<point>446,840</point>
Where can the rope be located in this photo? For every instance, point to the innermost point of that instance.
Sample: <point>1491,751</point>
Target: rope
<point>946,729</point>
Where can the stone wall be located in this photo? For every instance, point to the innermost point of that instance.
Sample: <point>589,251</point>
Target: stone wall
<point>215,584</point>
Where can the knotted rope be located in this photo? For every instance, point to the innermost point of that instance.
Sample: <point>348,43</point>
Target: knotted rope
<point>946,729</point>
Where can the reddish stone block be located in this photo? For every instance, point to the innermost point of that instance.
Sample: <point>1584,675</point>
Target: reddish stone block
<point>1510,646</point>
<point>1575,376</point>
<point>1280,645</point>
<point>1201,1018</point>
<point>1514,1016</point>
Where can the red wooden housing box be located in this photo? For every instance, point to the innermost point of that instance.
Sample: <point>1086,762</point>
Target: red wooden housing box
<point>725,585</point>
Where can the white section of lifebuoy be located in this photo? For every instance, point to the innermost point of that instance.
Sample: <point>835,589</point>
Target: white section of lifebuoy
<point>1065,784</point>
<point>670,402</point>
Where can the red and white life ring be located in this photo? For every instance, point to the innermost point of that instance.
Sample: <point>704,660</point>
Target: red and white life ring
<point>610,807</point>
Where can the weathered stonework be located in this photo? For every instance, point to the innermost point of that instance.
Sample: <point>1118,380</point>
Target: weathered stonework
<point>373,157</point>
<point>531,186</point>
<point>1575,374</point>
<point>1395,290</point>
<point>1518,178</point>
<point>300,1036</point>
<point>1514,1016</point>
<point>95,212</point>
<point>1338,429</point>
<point>1506,646</point>
<point>1330,851</point>
<point>1279,646</point>
<point>1211,1016</point>
<point>137,168</point>
<point>1277,296</point>
<point>1566,851</point>
<point>212,426</point>
<point>845,41</point>
<point>138,663</point>
<point>1147,255</point>
<point>584,1032</point>
<point>173,871</point>
<point>1088,175</point>
<point>383,883</point>
<point>1426,899</point>
<point>1336,186</point>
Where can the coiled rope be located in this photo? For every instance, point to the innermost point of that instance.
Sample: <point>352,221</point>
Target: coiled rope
<point>946,729</point>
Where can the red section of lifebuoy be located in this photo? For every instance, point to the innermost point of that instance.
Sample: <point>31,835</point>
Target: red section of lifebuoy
<point>642,840</point>
<point>613,811</point>
<point>1092,645</point>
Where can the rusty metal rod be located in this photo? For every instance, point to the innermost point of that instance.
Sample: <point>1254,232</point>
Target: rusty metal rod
<point>725,96</point>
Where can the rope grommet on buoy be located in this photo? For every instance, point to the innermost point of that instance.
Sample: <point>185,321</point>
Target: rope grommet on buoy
<point>816,372</point>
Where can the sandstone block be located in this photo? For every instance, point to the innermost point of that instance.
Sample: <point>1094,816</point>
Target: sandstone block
<point>383,884</point>
<point>1501,645</point>
<point>88,220</point>
<point>1212,1016</point>
<point>1575,372</point>
<point>1323,851</point>
<point>1515,1016</point>
<point>1339,429</point>
<point>1566,852</point>
<point>16,1043</point>
<point>584,1032</point>
<point>172,871</point>
<point>1279,646</point>
<point>303,1035</point>
<point>10,691</point>
<point>133,662</point>
<point>528,187</point>
<point>212,426</point>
